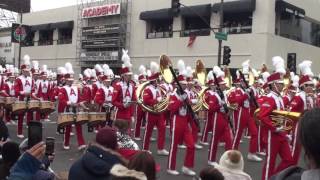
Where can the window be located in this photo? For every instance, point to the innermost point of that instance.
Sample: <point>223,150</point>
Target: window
<point>237,23</point>
<point>45,37</point>
<point>302,29</point>
<point>29,39</point>
<point>159,28</point>
<point>195,25</point>
<point>65,36</point>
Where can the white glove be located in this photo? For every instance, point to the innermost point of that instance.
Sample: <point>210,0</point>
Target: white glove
<point>22,92</point>
<point>194,101</point>
<point>159,99</point>
<point>69,103</point>
<point>289,137</point>
<point>126,104</point>
<point>248,91</point>
<point>279,129</point>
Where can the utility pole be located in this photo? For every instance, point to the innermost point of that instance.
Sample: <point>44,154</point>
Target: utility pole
<point>19,55</point>
<point>220,30</point>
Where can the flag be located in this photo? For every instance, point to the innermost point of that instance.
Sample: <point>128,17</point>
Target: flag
<point>192,39</point>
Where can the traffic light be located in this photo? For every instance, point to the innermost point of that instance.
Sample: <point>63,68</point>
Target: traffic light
<point>175,7</point>
<point>292,62</point>
<point>226,55</point>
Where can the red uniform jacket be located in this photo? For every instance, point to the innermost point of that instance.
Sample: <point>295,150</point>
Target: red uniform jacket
<point>150,95</point>
<point>8,89</point>
<point>65,95</point>
<point>24,85</point>
<point>121,92</point>
<point>104,94</point>
<point>238,96</point>
<point>86,94</point>
<point>44,90</point>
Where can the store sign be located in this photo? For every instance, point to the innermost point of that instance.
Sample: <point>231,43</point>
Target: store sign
<point>99,43</point>
<point>98,11</point>
<point>19,32</point>
<point>97,30</point>
<point>6,50</point>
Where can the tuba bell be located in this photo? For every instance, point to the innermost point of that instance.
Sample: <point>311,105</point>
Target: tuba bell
<point>164,70</point>
<point>281,118</point>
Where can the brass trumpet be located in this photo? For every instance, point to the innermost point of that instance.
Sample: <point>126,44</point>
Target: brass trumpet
<point>281,118</point>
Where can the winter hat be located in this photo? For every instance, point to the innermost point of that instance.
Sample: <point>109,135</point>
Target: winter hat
<point>107,137</point>
<point>121,171</point>
<point>10,152</point>
<point>232,160</point>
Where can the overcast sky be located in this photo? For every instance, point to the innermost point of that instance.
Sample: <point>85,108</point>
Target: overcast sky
<point>38,5</point>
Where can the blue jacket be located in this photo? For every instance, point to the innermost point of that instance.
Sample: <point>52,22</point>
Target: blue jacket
<point>25,168</point>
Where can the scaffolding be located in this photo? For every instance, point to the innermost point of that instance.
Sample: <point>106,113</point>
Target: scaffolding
<point>88,57</point>
<point>7,18</point>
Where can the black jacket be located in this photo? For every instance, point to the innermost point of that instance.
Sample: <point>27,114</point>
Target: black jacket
<point>94,164</point>
<point>291,173</point>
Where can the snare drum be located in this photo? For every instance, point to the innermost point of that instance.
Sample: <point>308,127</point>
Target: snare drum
<point>82,117</point>
<point>97,117</point>
<point>113,115</point>
<point>2,100</point>
<point>19,107</point>
<point>65,119</point>
<point>33,105</point>
<point>8,101</point>
<point>47,106</point>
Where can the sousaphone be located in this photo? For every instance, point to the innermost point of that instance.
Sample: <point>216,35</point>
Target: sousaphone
<point>164,70</point>
<point>201,73</point>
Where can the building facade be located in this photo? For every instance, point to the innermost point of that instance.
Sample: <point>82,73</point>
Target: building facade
<point>257,30</point>
<point>6,47</point>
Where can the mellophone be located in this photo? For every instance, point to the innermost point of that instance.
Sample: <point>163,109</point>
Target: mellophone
<point>19,107</point>
<point>84,116</point>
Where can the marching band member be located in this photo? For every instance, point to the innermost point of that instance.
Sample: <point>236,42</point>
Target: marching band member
<point>124,91</point>
<point>140,114</point>
<point>301,103</point>
<point>240,97</point>
<point>61,71</point>
<point>180,129</point>
<point>291,91</point>
<point>2,76</point>
<point>24,88</point>
<point>277,142</point>
<point>8,91</point>
<point>86,95</point>
<point>44,89</point>
<point>104,95</point>
<point>217,113</point>
<point>151,96</point>
<point>69,100</point>
<point>99,74</point>
<point>193,99</point>
<point>318,93</point>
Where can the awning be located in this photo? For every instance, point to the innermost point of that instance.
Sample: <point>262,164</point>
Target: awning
<point>282,6</point>
<point>236,6</point>
<point>62,25</point>
<point>199,10</point>
<point>156,14</point>
<point>40,27</point>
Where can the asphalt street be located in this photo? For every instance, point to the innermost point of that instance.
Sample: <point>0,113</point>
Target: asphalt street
<point>64,159</point>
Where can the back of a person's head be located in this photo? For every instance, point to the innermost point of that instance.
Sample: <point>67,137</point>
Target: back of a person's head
<point>210,173</point>
<point>121,125</point>
<point>10,152</point>
<point>309,133</point>
<point>120,172</point>
<point>144,162</point>
<point>232,160</point>
<point>107,138</point>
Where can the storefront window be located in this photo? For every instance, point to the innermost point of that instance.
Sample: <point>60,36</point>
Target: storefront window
<point>65,36</point>
<point>45,37</point>
<point>159,29</point>
<point>237,23</point>
<point>196,26</point>
<point>29,39</point>
<point>298,28</point>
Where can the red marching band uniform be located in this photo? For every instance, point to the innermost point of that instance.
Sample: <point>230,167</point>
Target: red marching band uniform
<point>277,141</point>
<point>69,100</point>
<point>8,90</point>
<point>43,90</point>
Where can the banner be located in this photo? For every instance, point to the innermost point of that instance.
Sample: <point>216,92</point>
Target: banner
<point>105,10</point>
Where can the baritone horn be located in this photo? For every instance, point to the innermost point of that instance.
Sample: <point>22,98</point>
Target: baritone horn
<point>281,118</point>
<point>201,73</point>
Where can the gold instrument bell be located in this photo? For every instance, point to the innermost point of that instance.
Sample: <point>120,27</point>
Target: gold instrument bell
<point>282,118</point>
<point>164,70</point>
<point>227,76</point>
<point>201,72</point>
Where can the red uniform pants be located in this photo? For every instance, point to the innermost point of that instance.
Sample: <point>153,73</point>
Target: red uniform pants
<point>207,127</point>
<point>20,121</point>
<point>151,121</point>
<point>139,119</point>
<point>78,133</point>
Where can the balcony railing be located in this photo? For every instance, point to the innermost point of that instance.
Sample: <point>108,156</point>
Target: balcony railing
<point>238,30</point>
<point>100,56</point>
<point>155,35</point>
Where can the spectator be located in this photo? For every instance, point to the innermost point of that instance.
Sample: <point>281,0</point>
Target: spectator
<point>231,166</point>
<point>124,140</point>
<point>98,158</point>
<point>309,134</point>
<point>144,162</point>
<point>4,133</point>
<point>10,154</point>
<point>120,172</point>
<point>211,173</point>
<point>28,165</point>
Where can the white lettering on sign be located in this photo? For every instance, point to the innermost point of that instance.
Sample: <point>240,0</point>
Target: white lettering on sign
<point>106,10</point>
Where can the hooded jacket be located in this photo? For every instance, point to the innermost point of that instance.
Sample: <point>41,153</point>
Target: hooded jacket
<point>95,164</point>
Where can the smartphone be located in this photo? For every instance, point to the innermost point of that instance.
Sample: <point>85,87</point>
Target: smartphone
<point>50,145</point>
<point>34,133</point>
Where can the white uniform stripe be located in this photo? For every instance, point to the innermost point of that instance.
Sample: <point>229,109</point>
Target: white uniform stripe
<point>295,140</point>
<point>238,127</point>
<point>205,128</point>
<point>259,136</point>
<point>213,134</point>
<point>145,131</point>
<point>172,140</point>
<point>268,155</point>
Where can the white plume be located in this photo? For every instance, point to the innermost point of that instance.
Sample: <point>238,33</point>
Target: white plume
<point>69,68</point>
<point>255,72</point>
<point>87,73</point>
<point>148,73</point>
<point>265,76</point>
<point>218,72</point>
<point>154,67</point>
<point>181,67</point>
<point>54,75</point>
<point>126,59</point>
<point>142,70</point>
<point>80,76</point>
<point>305,68</point>
<point>295,81</point>
<point>26,59</point>
<point>210,76</point>
<point>278,63</point>
<point>136,78</point>
<point>35,64</point>
<point>110,73</point>
<point>238,74</point>
<point>245,67</point>
<point>105,66</point>
<point>98,68</point>
<point>189,71</point>
<point>44,68</point>
<point>62,70</point>
<point>93,73</point>
<point>16,70</point>
<point>292,75</point>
